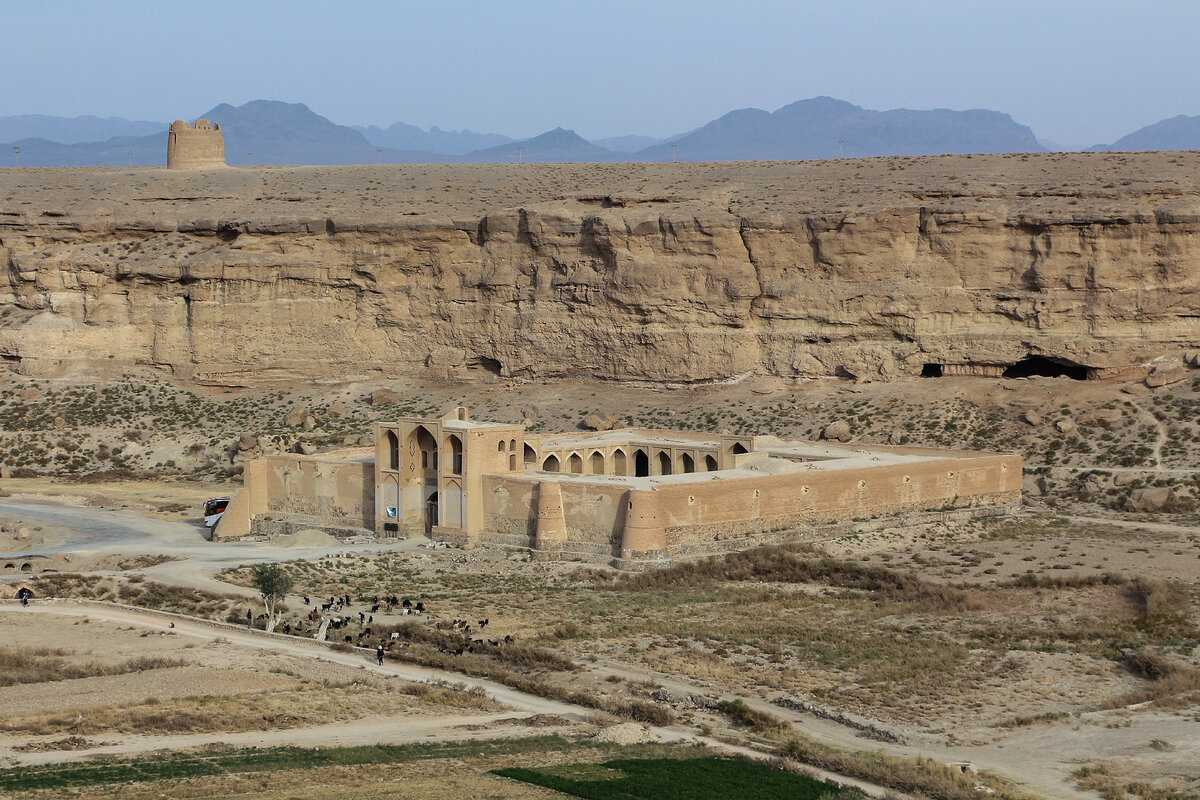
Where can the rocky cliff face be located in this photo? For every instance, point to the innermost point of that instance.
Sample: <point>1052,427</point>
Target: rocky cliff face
<point>630,272</point>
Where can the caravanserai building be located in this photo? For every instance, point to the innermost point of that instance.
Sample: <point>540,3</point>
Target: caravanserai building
<point>622,496</point>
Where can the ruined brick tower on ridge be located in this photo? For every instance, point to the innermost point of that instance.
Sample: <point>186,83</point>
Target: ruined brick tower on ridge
<point>201,146</point>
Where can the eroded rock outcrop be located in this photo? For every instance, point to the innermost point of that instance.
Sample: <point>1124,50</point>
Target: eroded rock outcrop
<point>233,282</point>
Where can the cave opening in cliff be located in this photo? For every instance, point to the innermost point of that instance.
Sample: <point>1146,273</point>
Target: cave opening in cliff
<point>1042,367</point>
<point>931,371</point>
<point>489,364</point>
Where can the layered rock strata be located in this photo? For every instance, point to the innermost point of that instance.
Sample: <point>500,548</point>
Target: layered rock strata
<point>667,273</point>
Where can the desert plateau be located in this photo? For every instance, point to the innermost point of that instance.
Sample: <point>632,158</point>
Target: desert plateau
<point>164,331</point>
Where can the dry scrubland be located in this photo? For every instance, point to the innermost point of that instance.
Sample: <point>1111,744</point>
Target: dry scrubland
<point>1027,645</point>
<point>985,637</point>
<point>1091,443</point>
<point>963,641</point>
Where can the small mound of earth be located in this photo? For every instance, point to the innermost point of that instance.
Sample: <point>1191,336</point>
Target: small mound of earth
<point>69,743</point>
<point>626,733</point>
<point>309,537</point>
<point>537,721</point>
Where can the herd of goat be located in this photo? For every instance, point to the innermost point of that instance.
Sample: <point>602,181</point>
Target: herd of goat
<point>326,616</point>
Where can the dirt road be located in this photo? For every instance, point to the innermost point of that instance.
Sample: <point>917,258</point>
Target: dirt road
<point>93,531</point>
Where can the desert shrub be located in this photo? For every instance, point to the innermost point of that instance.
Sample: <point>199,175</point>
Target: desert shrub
<point>1160,605</point>
<point>802,564</point>
<point>748,717</point>
<point>920,776</point>
<point>1032,580</point>
<point>1148,665</point>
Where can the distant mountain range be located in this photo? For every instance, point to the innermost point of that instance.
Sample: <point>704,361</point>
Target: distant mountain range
<point>400,136</point>
<point>73,130</point>
<point>556,145</point>
<point>272,132</point>
<point>826,128</point>
<point>1176,133</point>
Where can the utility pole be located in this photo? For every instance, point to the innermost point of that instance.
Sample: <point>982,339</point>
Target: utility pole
<point>674,147</point>
<point>250,159</point>
<point>1026,144</point>
<point>520,155</point>
<point>130,154</point>
<point>841,150</point>
<point>17,153</point>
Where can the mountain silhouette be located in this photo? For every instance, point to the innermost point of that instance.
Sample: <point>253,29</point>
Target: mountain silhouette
<point>1176,133</point>
<point>401,136</point>
<point>274,132</point>
<point>556,145</point>
<point>824,127</point>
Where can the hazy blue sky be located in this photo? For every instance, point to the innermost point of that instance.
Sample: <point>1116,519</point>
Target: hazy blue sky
<point>1078,73</point>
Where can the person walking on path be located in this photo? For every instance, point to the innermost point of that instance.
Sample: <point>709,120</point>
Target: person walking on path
<point>379,655</point>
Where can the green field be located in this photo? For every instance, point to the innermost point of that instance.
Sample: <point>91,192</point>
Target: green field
<point>676,779</point>
<point>177,767</point>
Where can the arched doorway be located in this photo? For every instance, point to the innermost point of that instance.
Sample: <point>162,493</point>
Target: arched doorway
<point>575,463</point>
<point>710,464</point>
<point>664,462</point>
<point>618,463</point>
<point>641,464</point>
<point>431,513</point>
<point>393,448</point>
<point>550,464</point>
<point>512,462</point>
<point>689,465</point>
<point>529,455</point>
<point>597,463</point>
<point>456,454</point>
<point>451,513</point>
<point>390,508</point>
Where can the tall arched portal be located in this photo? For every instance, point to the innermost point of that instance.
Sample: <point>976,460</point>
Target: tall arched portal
<point>421,441</point>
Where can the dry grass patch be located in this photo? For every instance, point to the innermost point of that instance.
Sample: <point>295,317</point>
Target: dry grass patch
<point>134,590</point>
<point>264,710</point>
<point>43,664</point>
<point>1105,779</point>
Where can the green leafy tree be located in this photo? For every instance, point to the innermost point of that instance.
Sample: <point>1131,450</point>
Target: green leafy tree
<point>273,583</point>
